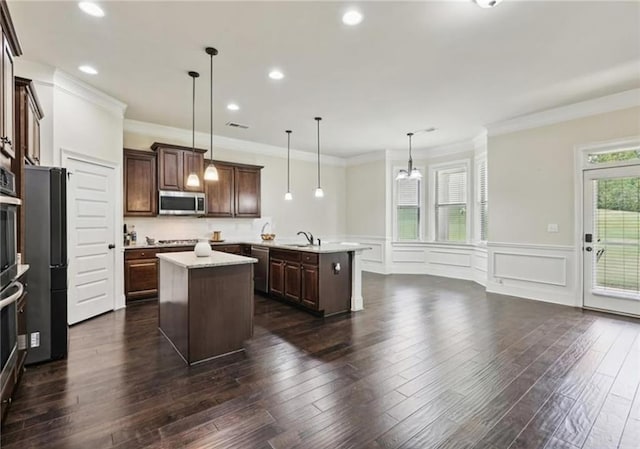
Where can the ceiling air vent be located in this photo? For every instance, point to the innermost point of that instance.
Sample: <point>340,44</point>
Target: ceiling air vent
<point>237,125</point>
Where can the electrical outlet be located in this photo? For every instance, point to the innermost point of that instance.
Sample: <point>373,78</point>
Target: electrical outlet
<point>35,339</point>
<point>552,227</point>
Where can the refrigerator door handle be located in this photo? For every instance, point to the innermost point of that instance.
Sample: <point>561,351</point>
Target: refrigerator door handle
<point>13,298</point>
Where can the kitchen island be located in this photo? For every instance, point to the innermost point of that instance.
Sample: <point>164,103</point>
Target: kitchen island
<point>205,303</point>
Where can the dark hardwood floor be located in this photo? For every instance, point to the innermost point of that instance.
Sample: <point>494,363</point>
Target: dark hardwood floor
<point>430,363</point>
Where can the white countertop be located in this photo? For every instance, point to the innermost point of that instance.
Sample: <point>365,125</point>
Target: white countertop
<point>189,259</point>
<point>324,248</point>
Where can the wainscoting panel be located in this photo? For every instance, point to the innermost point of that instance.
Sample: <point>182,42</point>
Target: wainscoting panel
<point>542,272</point>
<point>480,263</point>
<point>373,260</point>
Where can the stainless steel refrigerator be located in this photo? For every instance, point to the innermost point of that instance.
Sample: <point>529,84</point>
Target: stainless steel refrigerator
<point>45,205</point>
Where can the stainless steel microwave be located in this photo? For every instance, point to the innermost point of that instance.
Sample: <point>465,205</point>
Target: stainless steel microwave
<point>181,203</point>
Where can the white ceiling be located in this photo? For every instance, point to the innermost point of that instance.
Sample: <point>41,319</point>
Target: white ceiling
<point>407,66</point>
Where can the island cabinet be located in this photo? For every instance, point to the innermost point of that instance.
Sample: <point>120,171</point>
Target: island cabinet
<point>140,187</point>
<point>206,303</point>
<point>236,193</point>
<point>320,283</point>
<point>175,162</point>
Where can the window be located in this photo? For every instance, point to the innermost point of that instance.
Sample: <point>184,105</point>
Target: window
<point>408,209</point>
<point>483,210</point>
<point>613,156</point>
<point>451,204</point>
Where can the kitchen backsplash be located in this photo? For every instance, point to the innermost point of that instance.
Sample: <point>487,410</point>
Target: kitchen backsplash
<point>165,228</point>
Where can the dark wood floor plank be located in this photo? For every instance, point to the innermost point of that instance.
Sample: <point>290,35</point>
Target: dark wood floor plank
<point>430,363</point>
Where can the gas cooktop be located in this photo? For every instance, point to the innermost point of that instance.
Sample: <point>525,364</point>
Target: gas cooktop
<point>178,242</point>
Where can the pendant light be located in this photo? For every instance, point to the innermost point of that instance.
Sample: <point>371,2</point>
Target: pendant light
<point>211,173</point>
<point>319,192</point>
<point>193,180</point>
<point>411,172</point>
<point>288,196</point>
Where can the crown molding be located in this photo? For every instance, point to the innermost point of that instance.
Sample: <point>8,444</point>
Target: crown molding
<point>80,89</point>
<point>170,133</point>
<point>609,103</point>
<point>464,146</point>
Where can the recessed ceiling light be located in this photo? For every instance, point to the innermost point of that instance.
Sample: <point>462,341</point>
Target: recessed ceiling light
<point>233,107</point>
<point>352,17</point>
<point>91,8</point>
<point>88,70</point>
<point>487,3</point>
<point>276,75</point>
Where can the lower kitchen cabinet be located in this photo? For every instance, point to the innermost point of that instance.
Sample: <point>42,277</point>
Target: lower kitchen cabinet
<point>292,281</point>
<point>141,278</point>
<point>309,291</point>
<point>140,273</point>
<point>320,283</point>
<point>276,277</point>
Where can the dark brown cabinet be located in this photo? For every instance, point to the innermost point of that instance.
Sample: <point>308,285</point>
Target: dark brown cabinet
<point>140,191</point>
<point>140,274</point>
<point>292,278</point>
<point>231,249</point>
<point>247,192</point>
<point>320,283</point>
<point>309,293</point>
<point>236,193</point>
<point>28,114</point>
<point>192,162</point>
<point>175,162</point>
<point>220,193</point>
<point>8,103</point>
<point>276,277</point>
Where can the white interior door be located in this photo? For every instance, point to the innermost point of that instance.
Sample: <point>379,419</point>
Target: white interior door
<point>91,222</point>
<point>611,247</point>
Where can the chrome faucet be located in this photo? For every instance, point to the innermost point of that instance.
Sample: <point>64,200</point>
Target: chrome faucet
<point>308,236</point>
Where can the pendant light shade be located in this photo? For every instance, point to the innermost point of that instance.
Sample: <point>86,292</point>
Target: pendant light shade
<point>193,180</point>
<point>319,192</point>
<point>288,196</point>
<point>211,172</point>
<point>410,172</point>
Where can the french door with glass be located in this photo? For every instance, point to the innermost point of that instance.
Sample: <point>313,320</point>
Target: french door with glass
<point>611,239</point>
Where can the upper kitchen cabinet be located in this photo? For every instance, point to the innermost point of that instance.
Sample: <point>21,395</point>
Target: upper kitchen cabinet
<point>220,194</point>
<point>175,162</point>
<point>236,193</point>
<point>28,114</point>
<point>140,189</point>
<point>247,189</point>
<point>10,49</point>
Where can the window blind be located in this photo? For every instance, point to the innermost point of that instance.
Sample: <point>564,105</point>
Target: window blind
<point>483,200</point>
<point>452,186</point>
<point>451,204</point>
<point>408,209</point>
<point>616,252</point>
<point>408,192</point>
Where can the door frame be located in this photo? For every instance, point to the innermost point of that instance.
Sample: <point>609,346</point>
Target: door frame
<point>581,165</point>
<point>66,155</point>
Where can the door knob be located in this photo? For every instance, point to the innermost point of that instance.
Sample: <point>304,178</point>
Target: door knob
<point>588,249</point>
<point>111,246</point>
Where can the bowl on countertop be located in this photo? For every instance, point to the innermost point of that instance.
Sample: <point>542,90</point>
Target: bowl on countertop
<point>267,237</point>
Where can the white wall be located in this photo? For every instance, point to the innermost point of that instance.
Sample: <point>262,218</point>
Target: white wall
<point>83,120</point>
<point>532,184</point>
<point>325,217</point>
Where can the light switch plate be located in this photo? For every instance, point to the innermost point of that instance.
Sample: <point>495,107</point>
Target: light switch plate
<point>552,227</point>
